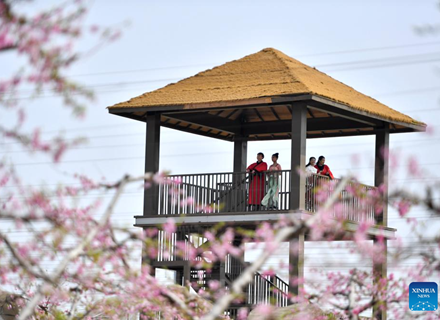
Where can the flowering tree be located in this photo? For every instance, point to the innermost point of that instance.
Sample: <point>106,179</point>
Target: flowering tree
<point>96,274</point>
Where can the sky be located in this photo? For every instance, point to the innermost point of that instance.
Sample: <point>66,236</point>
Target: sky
<point>372,46</point>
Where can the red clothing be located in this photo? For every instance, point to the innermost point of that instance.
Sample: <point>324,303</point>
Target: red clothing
<point>257,182</point>
<point>325,172</point>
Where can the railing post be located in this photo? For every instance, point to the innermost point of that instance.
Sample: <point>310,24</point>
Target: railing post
<point>381,177</point>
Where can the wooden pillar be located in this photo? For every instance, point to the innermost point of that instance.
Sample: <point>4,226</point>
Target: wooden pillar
<point>381,177</point>
<point>297,193</point>
<point>240,154</point>
<point>380,272</point>
<point>381,164</point>
<point>296,265</point>
<point>151,195</point>
<point>298,160</point>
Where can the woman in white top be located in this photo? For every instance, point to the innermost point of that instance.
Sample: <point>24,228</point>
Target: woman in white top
<point>310,167</point>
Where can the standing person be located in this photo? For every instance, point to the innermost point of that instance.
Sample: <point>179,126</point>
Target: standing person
<point>270,200</point>
<point>256,182</point>
<point>323,169</point>
<point>311,171</point>
<point>310,167</point>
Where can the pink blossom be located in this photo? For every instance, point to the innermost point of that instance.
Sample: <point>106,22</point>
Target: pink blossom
<point>242,314</point>
<point>264,310</point>
<point>414,167</point>
<point>403,206</point>
<point>169,226</point>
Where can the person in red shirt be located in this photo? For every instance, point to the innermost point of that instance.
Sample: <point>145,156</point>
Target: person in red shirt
<point>322,168</point>
<point>257,181</point>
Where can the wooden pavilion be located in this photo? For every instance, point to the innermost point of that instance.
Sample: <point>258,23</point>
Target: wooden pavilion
<point>263,96</point>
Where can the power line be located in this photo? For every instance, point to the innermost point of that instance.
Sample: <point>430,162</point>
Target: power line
<point>390,59</point>
<point>368,65</point>
<point>143,134</point>
<point>163,156</point>
<point>386,65</point>
<point>421,141</point>
<point>410,91</point>
<point>301,55</point>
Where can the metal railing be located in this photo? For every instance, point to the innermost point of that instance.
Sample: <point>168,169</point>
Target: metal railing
<point>350,207</point>
<point>246,192</point>
<point>268,290</point>
<point>224,192</point>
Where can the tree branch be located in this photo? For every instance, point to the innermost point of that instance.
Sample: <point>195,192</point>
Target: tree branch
<point>28,310</point>
<point>283,235</point>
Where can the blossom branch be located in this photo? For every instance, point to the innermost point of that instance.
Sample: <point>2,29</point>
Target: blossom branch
<point>283,235</point>
<point>56,275</point>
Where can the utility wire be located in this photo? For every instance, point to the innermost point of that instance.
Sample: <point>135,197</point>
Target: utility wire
<point>300,55</point>
<point>362,64</point>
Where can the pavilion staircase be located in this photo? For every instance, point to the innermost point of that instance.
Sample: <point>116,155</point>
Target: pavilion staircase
<point>264,289</point>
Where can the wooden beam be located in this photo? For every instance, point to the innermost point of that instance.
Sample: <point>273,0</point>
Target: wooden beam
<point>414,126</point>
<point>265,102</point>
<point>119,110</point>
<point>325,135</point>
<point>313,124</point>
<point>207,120</point>
<point>275,114</point>
<point>132,116</point>
<point>197,132</point>
<point>245,105</point>
<point>152,148</point>
<point>263,127</point>
<point>344,114</point>
<point>258,114</point>
<point>231,114</point>
<point>338,109</point>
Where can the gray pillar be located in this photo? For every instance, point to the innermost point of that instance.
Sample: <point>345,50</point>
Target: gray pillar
<point>151,195</point>
<point>299,136</point>
<point>381,164</point>
<point>296,264</point>
<point>381,177</point>
<point>297,193</point>
<point>380,272</point>
<point>240,154</point>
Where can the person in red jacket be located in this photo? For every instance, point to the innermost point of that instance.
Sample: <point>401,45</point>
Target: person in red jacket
<point>322,168</point>
<point>257,181</point>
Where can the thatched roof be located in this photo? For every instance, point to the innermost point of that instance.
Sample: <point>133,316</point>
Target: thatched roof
<point>266,73</point>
